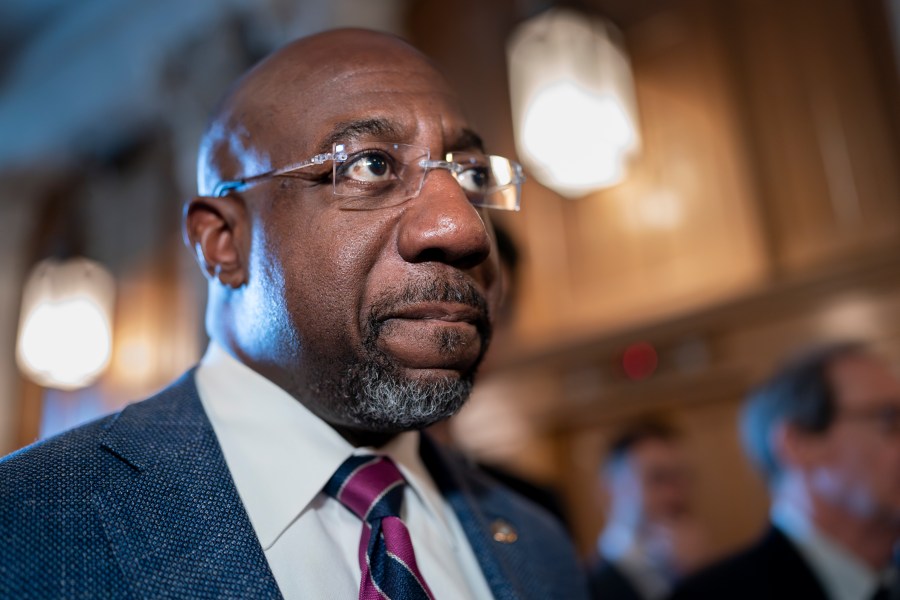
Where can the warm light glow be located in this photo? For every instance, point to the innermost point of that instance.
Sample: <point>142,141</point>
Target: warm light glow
<point>65,331</point>
<point>573,102</point>
<point>656,209</point>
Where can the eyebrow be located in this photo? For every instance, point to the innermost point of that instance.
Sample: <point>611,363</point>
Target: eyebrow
<point>466,140</point>
<point>382,128</point>
<point>351,130</point>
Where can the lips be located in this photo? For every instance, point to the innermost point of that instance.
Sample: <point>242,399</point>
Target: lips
<point>434,335</point>
<point>439,311</point>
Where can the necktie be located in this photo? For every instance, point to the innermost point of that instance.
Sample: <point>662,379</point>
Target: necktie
<point>372,488</point>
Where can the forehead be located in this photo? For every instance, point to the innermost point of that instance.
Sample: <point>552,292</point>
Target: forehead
<point>653,451</point>
<point>863,381</point>
<point>398,98</point>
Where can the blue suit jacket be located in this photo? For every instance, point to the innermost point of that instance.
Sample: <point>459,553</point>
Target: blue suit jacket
<point>140,504</point>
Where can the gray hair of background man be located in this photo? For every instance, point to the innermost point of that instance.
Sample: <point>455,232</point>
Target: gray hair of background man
<point>799,394</point>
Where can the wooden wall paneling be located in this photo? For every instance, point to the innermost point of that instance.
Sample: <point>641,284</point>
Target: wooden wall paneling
<point>826,144</point>
<point>681,231</point>
<point>28,417</point>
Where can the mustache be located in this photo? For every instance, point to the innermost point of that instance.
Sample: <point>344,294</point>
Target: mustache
<point>459,290</point>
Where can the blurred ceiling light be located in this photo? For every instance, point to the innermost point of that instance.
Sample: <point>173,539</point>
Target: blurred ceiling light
<point>573,101</point>
<point>65,328</point>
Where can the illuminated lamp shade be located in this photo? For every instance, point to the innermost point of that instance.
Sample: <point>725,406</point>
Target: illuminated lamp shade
<point>573,101</point>
<point>65,331</point>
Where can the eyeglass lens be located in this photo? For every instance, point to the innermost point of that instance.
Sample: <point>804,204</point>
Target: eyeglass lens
<point>381,174</point>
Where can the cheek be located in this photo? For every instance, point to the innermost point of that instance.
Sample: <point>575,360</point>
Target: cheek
<point>327,266</point>
<point>886,466</point>
<point>868,463</point>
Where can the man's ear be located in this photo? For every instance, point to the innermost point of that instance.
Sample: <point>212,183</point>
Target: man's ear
<point>215,229</point>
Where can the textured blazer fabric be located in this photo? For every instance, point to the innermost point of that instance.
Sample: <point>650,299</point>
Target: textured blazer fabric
<point>140,504</point>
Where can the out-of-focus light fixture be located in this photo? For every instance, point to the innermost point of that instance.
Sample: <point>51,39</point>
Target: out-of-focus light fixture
<point>65,328</point>
<point>573,101</point>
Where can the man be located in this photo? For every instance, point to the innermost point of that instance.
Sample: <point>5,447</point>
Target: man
<point>825,432</point>
<point>651,536</point>
<point>351,274</point>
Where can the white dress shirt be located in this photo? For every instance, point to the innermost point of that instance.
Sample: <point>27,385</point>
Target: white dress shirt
<point>842,575</point>
<point>281,456</point>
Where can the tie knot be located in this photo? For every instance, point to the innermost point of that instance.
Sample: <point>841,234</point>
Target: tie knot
<point>370,486</point>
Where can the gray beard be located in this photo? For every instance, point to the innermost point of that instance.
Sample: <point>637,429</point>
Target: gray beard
<point>378,396</point>
<point>384,400</point>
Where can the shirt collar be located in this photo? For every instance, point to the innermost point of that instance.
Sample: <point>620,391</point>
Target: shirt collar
<point>842,573</point>
<point>280,454</point>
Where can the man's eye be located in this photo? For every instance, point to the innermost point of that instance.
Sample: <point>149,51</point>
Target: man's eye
<point>370,167</point>
<point>476,179</point>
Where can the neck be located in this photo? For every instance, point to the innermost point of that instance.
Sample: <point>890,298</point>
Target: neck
<point>359,439</point>
<point>870,538</point>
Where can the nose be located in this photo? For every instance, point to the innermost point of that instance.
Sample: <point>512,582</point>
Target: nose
<point>441,225</point>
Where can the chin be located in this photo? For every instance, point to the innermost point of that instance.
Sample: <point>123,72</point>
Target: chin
<point>381,397</point>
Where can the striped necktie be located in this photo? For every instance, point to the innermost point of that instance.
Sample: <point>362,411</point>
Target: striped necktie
<point>372,488</point>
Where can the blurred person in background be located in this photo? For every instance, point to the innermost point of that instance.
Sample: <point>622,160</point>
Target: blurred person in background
<point>825,433</point>
<point>651,537</point>
<point>342,224</point>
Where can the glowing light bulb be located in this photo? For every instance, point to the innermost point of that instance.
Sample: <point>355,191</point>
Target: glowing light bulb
<point>65,330</point>
<point>573,102</point>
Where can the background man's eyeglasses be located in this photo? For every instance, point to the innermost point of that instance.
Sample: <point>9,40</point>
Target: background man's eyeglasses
<point>372,175</point>
<point>885,418</point>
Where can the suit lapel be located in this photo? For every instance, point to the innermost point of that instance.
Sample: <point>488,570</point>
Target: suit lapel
<point>170,508</point>
<point>789,573</point>
<point>477,508</point>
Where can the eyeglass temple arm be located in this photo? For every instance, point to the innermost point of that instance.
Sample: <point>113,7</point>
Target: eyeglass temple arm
<point>453,167</point>
<point>223,187</point>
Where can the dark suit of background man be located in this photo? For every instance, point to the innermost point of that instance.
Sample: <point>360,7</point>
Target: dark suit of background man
<point>352,270</point>
<point>651,536</point>
<point>825,431</point>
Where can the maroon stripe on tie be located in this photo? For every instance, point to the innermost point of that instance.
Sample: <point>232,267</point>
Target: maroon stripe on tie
<point>372,488</point>
<point>399,544</point>
<point>365,486</point>
<point>367,588</point>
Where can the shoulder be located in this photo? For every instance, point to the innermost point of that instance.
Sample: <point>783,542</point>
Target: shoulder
<point>728,577</point>
<point>62,466</point>
<point>609,583</point>
<point>49,495</point>
<point>770,568</point>
<point>55,468</point>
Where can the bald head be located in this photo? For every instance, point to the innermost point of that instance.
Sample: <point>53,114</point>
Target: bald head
<point>291,85</point>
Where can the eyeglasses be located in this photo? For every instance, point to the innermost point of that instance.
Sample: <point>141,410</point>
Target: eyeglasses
<point>885,418</point>
<point>373,175</point>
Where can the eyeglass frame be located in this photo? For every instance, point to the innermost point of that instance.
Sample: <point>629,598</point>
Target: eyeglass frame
<point>885,417</point>
<point>339,155</point>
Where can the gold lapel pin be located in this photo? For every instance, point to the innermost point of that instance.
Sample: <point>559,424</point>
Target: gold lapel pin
<point>504,532</point>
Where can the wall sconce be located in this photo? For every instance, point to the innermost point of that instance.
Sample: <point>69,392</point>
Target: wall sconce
<point>65,327</point>
<point>573,101</point>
